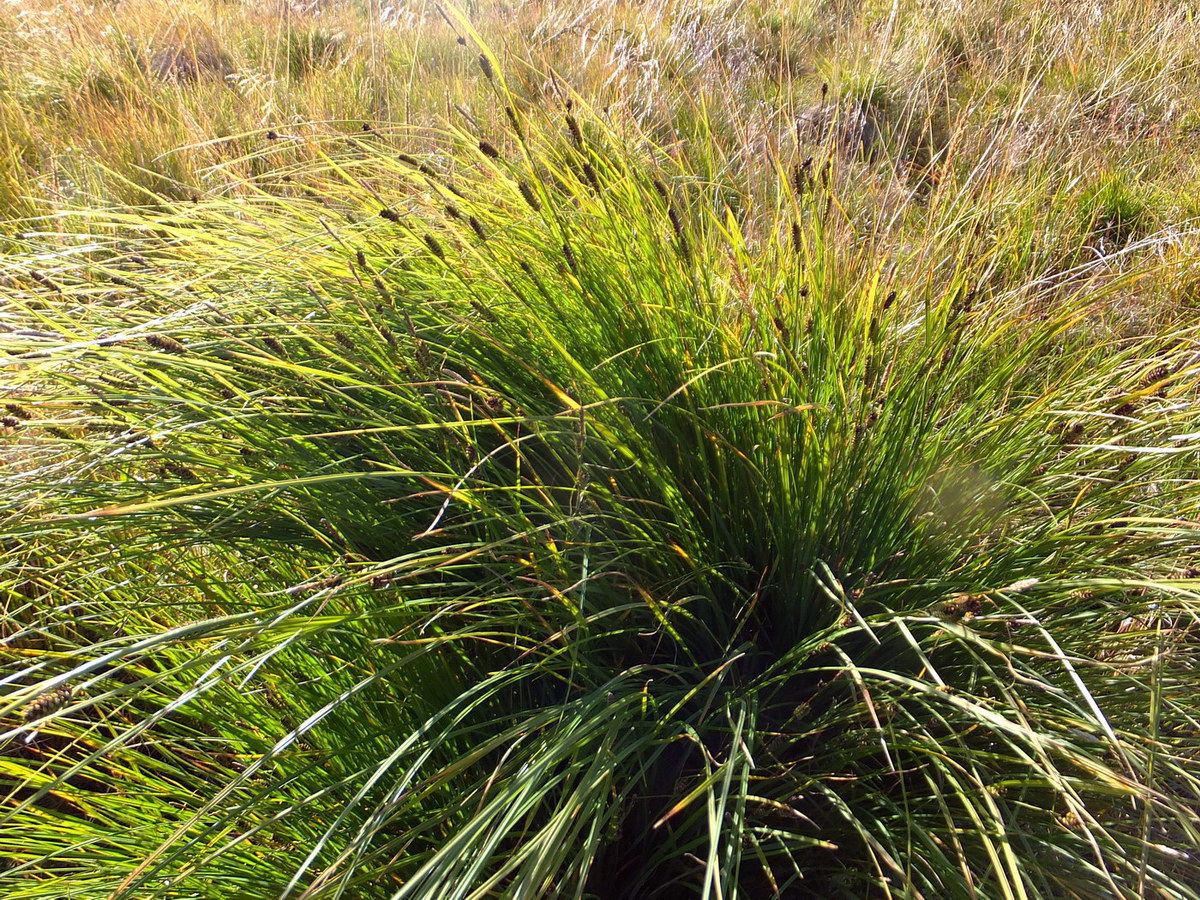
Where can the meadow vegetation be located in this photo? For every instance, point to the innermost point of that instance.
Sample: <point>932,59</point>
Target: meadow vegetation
<point>600,449</point>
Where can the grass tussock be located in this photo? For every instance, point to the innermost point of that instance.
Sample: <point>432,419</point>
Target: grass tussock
<point>565,495</point>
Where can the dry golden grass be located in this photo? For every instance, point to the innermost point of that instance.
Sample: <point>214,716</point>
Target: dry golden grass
<point>1074,111</point>
<point>99,97</point>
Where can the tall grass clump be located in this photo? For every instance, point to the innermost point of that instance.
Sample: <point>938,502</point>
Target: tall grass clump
<point>524,522</point>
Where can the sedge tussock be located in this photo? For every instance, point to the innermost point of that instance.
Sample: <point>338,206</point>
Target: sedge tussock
<point>686,503</point>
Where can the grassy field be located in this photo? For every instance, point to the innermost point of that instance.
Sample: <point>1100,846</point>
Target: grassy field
<point>600,450</point>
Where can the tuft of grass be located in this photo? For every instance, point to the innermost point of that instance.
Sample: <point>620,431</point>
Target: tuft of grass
<point>545,451</point>
<point>310,50</point>
<point>661,544</point>
<point>1116,210</point>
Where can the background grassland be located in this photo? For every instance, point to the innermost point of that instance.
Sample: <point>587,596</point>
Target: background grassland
<point>602,450</point>
<point>99,98</point>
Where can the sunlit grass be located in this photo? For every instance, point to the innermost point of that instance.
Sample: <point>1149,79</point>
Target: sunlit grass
<point>649,501</point>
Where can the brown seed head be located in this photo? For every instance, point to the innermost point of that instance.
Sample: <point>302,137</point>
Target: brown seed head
<point>424,357</point>
<point>165,344</point>
<point>434,246</point>
<point>802,176</point>
<point>179,470</point>
<point>47,704</point>
<point>590,176</point>
<point>1125,409</point>
<point>530,197</point>
<point>1071,821</point>
<point>961,608</point>
<point>573,127</point>
<point>1158,373</point>
<point>382,288</point>
<point>44,280</point>
<point>676,222</point>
